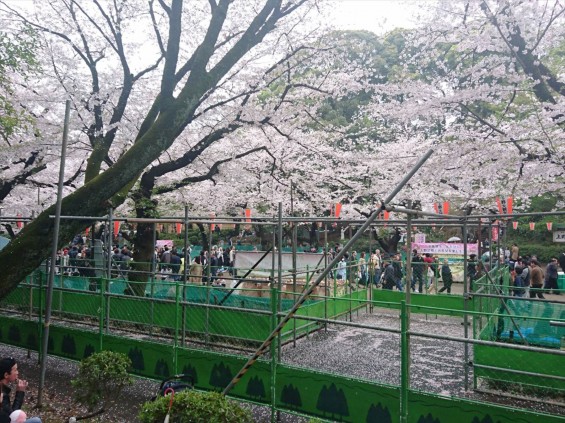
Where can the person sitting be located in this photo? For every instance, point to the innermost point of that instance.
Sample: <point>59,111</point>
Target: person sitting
<point>8,374</point>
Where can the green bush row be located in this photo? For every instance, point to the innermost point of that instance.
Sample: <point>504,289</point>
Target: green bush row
<point>194,406</point>
<point>544,252</point>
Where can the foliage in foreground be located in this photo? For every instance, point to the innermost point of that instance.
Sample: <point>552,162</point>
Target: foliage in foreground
<point>196,407</point>
<point>101,379</point>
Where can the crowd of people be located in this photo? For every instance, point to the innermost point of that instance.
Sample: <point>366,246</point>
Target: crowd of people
<point>529,277</point>
<point>389,271</point>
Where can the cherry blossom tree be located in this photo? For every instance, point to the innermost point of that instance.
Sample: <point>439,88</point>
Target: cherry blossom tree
<point>481,83</point>
<point>193,70</point>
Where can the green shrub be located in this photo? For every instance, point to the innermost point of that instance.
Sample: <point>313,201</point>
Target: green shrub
<point>101,379</point>
<point>543,252</point>
<point>194,406</point>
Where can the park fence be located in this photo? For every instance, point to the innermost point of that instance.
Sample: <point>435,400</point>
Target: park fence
<point>353,354</point>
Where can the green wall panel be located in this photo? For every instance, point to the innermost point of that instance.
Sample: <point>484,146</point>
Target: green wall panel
<point>149,359</point>
<point>21,333</point>
<point>425,408</point>
<point>444,303</point>
<point>527,361</point>
<point>214,371</point>
<point>73,344</point>
<point>335,397</point>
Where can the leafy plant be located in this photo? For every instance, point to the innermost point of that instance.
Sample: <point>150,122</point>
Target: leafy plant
<point>194,406</point>
<point>101,379</point>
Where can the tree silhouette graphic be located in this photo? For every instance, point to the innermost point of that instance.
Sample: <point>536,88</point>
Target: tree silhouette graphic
<point>332,401</point>
<point>291,396</point>
<point>32,341</point>
<point>191,372</point>
<point>378,414</point>
<point>68,345</point>
<point>162,368</point>
<point>256,388</point>
<point>486,419</point>
<point>136,357</point>
<point>428,419</point>
<point>221,376</point>
<point>88,351</point>
<point>14,334</point>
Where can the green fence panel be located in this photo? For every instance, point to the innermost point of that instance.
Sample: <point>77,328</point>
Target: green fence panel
<point>427,408</point>
<point>149,359</point>
<point>449,305</point>
<point>519,360</point>
<point>336,398</point>
<point>21,333</point>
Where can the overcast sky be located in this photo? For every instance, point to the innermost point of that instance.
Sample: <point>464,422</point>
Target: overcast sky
<point>376,15</point>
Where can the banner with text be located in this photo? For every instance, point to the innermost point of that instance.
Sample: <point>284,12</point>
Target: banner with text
<point>445,248</point>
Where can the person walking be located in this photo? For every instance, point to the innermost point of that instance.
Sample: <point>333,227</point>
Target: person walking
<point>536,280</point>
<point>446,277</point>
<point>551,276</point>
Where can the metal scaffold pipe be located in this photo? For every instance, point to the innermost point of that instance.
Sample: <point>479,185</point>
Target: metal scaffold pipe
<point>322,275</point>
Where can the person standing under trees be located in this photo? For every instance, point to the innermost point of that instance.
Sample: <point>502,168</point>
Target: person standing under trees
<point>551,276</point>
<point>514,252</point>
<point>472,270</point>
<point>398,275</point>
<point>536,280</point>
<point>375,266</point>
<point>389,278</point>
<point>446,277</point>
<point>417,271</point>
<point>362,269</point>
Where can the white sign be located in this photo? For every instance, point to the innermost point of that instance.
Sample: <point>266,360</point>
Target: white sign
<point>559,236</point>
<point>445,248</point>
<point>420,238</point>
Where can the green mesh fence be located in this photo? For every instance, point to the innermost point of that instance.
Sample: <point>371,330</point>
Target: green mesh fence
<point>529,320</point>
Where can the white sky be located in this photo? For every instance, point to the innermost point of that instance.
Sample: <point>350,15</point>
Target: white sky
<point>378,16</point>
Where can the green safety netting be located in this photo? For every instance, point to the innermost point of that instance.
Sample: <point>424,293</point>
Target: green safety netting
<point>167,290</point>
<point>533,320</point>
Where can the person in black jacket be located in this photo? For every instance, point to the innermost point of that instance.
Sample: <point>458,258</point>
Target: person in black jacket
<point>388,276</point>
<point>9,374</point>
<point>446,277</point>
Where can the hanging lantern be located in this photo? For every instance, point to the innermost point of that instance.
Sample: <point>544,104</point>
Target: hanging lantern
<point>532,226</point>
<point>337,210</point>
<point>386,214</point>
<point>179,227</point>
<point>436,208</point>
<point>509,204</point>
<point>212,225</point>
<point>549,225</point>
<point>499,205</point>
<point>514,225</point>
<point>19,222</point>
<point>87,230</point>
<point>446,207</point>
<point>116,227</point>
<point>248,215</point>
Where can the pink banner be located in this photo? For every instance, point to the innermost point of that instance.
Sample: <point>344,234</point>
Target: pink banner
<point>444,248</point>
